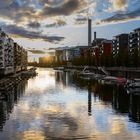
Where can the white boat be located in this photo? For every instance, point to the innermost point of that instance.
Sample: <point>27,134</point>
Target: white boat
<point>115,80</point>
<point>86,73</point>
<point>135,91</point>
<point>134,83</point>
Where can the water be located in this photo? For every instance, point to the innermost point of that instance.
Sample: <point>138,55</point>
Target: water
<point>57,105</point>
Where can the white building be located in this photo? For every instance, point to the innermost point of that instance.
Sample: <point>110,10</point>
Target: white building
<point>134,40</point>
<point>6,54</point>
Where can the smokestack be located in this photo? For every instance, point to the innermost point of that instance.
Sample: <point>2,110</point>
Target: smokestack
<point>94,35</point>
<point>89,31</point>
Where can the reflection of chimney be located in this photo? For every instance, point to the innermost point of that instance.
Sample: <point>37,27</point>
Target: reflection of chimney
<point>94,35</point>
<point>89,100</point>
<point>89,32</point>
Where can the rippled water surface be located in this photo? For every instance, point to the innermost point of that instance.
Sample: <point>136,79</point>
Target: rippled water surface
<point>58,105</point>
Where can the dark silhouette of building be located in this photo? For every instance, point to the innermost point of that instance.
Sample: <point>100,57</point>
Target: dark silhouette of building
<point>120,43</point>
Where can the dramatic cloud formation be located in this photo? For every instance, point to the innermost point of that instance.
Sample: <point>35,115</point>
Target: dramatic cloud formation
<point>11,9</point>
<point>23,12</point>
<point>66,7</point>
<point>24,33</point>
<point>123,17</point>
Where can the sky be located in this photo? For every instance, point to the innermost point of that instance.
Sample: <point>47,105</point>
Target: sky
<point>38,25</point>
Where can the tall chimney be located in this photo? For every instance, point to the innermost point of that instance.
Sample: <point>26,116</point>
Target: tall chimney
<point>94,35</point>
<point>89,31</point>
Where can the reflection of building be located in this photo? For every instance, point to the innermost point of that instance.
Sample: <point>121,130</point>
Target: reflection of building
<point>115,96</point>
<point>8,98</point>
<point>120,100</point>
<point>65,78</point>
<point>134,108</point>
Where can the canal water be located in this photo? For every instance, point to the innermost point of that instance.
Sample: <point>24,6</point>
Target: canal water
<point>59,105</point>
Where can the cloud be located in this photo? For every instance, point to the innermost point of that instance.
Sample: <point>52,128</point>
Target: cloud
<point>34,24</point>
<point>57,23</point>
<point>12,10</point>
<point>119,4</point>
<point>66,7</point>
<point>34,51</point>
<point>122,17</point>
<point>5,3</point>
<point>23,12</point>
<point>25,33</point>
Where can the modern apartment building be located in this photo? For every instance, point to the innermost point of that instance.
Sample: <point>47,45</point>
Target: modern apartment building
<point>120,43</point>
<point>24,60</point>
<point>6,54</point>
<point>134,41</point>
<point>13,58</point>
<point>20,58</point>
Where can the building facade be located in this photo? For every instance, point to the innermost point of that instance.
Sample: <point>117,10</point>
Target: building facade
<point>120,43</point>
<point>13,58</point>
<point>6,54</point>
<point>134,41</point>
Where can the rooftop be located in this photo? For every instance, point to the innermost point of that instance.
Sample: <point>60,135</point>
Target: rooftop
<point>138,29</point>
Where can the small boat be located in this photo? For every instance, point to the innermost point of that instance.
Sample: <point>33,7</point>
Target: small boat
<point>133,83</point>
<point>115,80</point>
<point>135,91</point>
<point>86,72</point>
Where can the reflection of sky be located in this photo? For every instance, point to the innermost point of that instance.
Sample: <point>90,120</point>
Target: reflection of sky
<point>47,110</point>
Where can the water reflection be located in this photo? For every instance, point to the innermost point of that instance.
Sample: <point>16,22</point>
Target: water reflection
<point>89,100</point>
<point>117,96</point>
<point>134,108</point>
<point>59,105</point>
<point>8,98</point>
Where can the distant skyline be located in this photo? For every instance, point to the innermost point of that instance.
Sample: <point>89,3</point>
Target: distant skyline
<point>43,24</point>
